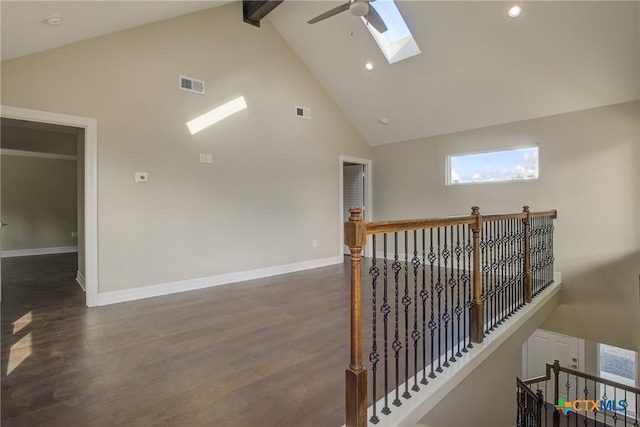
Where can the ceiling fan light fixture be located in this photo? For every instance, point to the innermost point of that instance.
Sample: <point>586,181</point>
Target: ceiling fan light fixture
<point>359,7</point>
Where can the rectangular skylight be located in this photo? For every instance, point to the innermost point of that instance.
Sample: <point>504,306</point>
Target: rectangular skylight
<point>396,43</point>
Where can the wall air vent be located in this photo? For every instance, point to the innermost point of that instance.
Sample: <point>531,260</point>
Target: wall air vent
<point>303,112</point>
<point>191,85</point>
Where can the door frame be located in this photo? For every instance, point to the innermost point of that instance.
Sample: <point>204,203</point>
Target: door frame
<point>368,191</point>
<point>90,126</point>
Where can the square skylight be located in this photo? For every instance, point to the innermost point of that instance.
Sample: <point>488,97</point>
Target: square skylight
<point>396,43</point>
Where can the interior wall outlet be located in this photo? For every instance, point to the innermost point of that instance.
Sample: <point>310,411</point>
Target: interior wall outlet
<point>74,234</point>
<point>315,243</point>
<point>142,177</point>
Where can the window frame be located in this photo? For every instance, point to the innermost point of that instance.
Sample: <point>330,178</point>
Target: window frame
<point>447,178</point>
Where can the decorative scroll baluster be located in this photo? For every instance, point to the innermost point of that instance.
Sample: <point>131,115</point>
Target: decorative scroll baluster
<point>374,357</point>
<point>439,288</point>
<point>423,296</point>
<point>406,302</point>
<point>385,309</point>
<point>527,256</point>
<point>397,345</point>
<point>469,293</point>
<point>458,310</point>
<point>432,324</point>
<point>452,285</point>
<point>445,315</point>
<point>415,335</point>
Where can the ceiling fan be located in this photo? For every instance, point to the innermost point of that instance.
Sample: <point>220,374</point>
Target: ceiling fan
<point>356,8</point>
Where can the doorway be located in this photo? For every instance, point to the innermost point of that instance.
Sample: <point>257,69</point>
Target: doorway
<point>355,191</point>
<point>88,160</point>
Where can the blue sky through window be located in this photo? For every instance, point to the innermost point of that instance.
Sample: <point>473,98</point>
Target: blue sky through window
<point>396,27</point>
<point>396,43</point>
<point>496,166</point>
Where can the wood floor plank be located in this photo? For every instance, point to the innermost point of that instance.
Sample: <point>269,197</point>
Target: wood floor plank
<point>268,352</point>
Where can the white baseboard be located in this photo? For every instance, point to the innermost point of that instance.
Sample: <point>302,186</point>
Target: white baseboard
<point>114,297</point>
<point>39,251</point>
<point>81,281</point>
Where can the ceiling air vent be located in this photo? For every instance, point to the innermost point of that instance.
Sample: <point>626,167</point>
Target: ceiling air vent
<point>303,112</point>
<point>191,85</point>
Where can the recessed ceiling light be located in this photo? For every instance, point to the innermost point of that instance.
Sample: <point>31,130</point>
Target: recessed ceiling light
<point>53,20</point>
<point>368,66</point>
<point>515,11</point>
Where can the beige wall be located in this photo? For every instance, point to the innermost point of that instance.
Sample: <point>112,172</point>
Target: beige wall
<point>468,406</point>
<point>588,171</point>
<point>38,202</point>
<point>273,185</point>
<point>38,140</point>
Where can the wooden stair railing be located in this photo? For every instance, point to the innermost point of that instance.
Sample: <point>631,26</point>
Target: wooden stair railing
<point>586,397</point>
<point>513,230</point>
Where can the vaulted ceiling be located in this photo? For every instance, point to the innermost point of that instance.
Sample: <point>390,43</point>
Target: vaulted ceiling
<point>478,67</point>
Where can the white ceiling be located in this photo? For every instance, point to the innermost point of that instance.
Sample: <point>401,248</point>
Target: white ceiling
<point>477,68</point>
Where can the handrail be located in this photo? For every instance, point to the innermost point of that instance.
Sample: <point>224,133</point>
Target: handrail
<point>501,262</point>
<point>524,386</point>
<point>556,365</point>
<point>380,227</point>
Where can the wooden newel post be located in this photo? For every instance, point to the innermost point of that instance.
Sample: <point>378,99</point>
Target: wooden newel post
<point>476,319</point>
<point>556,392</point>
<point>528,289</point>
<point>355,236</point>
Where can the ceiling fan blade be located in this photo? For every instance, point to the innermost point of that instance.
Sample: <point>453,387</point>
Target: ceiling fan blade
<point>329,13</point>
<point>375,19</point>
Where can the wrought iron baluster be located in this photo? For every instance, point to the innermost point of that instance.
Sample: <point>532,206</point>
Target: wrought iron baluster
<point>452,284</point>
<point>511,271</point>
<point>445,315</point>
<point>415,335</point>
<point>406,302</point>
<point>432,324</point>
<point>385,309</point>
<point>439,288</point>
<point>485,275</point>
<point>576,418</point>
<point>397,345</point>
<point>469,304</point>
<point>615,402</point>
<point>458,309</point>
<point>423,296</point>
<point>499,275</point>
<point>374,357</point>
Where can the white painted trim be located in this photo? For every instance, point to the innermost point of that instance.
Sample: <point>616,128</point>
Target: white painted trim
<point>207,282</point>
<point>39,251</point>
<point>90,126</point>
<point>368,212</point>
<point>38,154</point>
<point>414,409</point>
<point>81,281</point>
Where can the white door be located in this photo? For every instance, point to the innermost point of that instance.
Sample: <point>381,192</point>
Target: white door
<point>353,191</point>
<point>544,347</point>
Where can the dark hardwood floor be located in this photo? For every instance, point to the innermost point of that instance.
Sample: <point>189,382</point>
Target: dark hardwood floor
<point>269,352</point>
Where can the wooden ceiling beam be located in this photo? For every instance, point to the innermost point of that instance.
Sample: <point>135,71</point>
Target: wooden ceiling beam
<point>253,11</point>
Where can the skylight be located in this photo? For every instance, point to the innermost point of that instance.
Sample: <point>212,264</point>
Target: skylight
<point>396,43</point>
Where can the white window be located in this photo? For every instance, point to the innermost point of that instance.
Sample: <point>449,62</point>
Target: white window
<point>397,43</point>
<point>516,164</point>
